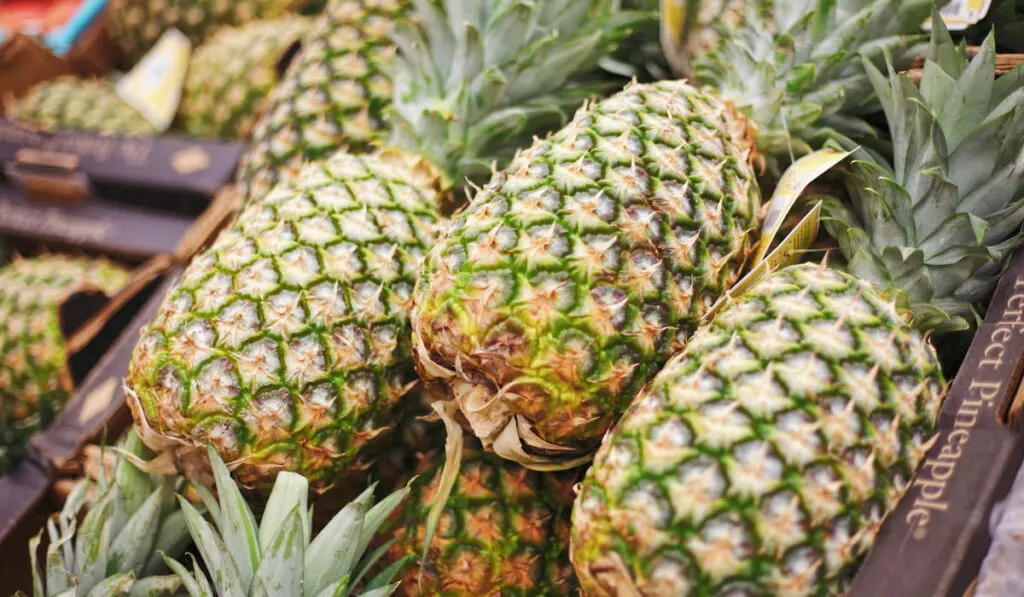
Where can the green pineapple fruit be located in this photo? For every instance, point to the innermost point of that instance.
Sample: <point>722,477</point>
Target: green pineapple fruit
<point>35,376</point>
<point>335,93</point>
<point>287,344</point>
<point>78,104</point>
<point>279,556</point>
<point>136,25</point>
<point>765,457</point>
<point>117,549</point>
<point>581,268</point>
<point>231,74</point>
<point>504,530</point>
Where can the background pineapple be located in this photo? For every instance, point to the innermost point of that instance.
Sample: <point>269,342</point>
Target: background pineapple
<point>231,74</point>
<point>131,523</point>
<point>286,344</point>
<point>577,271</point>
<point>504,530</point>
<point>334,93</point>
<point>35,378</point>
<point>79,104</point>
<point>766,456</point>
<point>136,25</point>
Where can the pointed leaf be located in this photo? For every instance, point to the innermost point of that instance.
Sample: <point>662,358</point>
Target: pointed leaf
<point>113,586</point>
<point>280,571</point>
<point>334,551</point>
<point>171,540</point>
<point>130,549</point>
<point>290,491</point>
<point>192,585</point>
<point>238,528</point>
<point>214,553</point>
<point>156,586</point>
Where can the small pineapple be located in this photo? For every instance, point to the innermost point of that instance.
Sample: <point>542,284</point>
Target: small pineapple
<point>504,530</point>
<point>231,74</point>
<point>132,523</point>
<point>279,556</point>
<point>287,344</point>
<point>136,25</point>
<point>578,271</point>
<point>78,104</point>
<point>334,94</point>
<point>765,457</point>
<point>35,377</point>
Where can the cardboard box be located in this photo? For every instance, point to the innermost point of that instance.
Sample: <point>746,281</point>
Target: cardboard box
<point>934,542</point>
<point>96,412</point>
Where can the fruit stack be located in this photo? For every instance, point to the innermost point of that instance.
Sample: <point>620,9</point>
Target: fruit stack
<point>545,335</point>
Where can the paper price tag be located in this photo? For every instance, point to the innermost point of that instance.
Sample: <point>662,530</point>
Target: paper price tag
<point>154,86</point>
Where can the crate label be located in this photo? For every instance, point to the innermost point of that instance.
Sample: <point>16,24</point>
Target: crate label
<point>154,86</point>
<point>961,14</point>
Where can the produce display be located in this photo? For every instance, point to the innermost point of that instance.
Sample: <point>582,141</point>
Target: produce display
<point>552,297</point>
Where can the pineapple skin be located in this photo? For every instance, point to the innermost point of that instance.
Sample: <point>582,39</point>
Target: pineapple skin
<point>231,74</point>
<point>504,530</point>
<point>335,93</point>
<point>286,344</point>
<point>578,271</point>
<point>765,457</point>
<point>35,380</point>
<point>136,25</point>
<point>78,104</point>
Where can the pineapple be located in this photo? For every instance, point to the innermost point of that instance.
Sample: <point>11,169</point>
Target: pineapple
<point>35,376</point>
<point>78,104</point>
<point>136,25</point>
<point>287,344</point>
<point>335,93</point>
<point>764,458</point>
<point>231,74</point>
<point>580,269</point>
<point>279,556</point>
<point>132,523</point>
<point>504,531</point>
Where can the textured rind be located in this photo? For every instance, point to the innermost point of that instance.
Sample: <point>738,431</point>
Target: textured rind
<point>136,25</point>
<point>578,270</point>
<point>764,458</point>
<point>504,530</point>
<point>78,104</point>
<point>285,344</point>
<point>230,76</point>
<point>35,380</point>
<point>335,93</point>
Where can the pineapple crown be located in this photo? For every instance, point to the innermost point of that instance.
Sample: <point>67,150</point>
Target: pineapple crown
<point>116,550</point>
<point>279,556</point>
<point>476,79</point>
<point>791,65</point>
<point>940,223</point>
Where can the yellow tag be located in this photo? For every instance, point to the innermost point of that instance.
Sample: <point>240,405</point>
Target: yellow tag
<point>793,182</point>
<point>97,401</point>
<point>799,239</point>
<point>153,87</point>
<point>961,14</point>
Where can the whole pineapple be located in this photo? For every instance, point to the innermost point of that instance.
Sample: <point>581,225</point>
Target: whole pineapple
<point>136,25</point>
<point>35,376</point>
<point>287,344</point>
<point>279,556</point>
<point>117,549</point>
<point>231,74</point>
<point>334,93</point>
<point>578,271</point>
<point>504,530</point>
<point>764,458</point>
<point>78,104</point>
